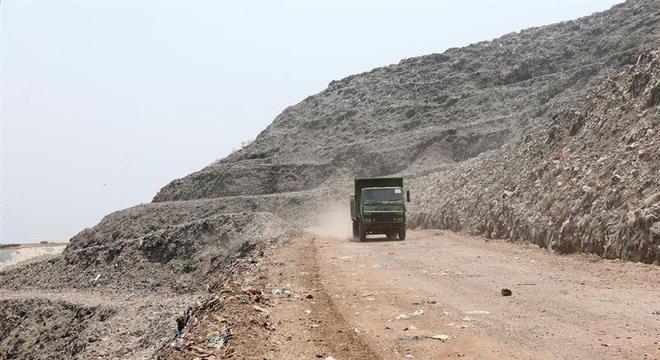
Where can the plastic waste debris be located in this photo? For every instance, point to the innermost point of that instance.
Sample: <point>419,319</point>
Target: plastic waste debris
<point>217,340</point>
<point>282,292</point>
<point>441,337</point>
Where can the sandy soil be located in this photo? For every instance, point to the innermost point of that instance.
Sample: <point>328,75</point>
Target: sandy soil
<point>386,299</point>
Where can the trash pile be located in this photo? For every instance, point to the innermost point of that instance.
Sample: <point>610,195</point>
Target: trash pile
<point>589,182</point>
<point>235,314</point>
<point>429,111</point>
<point>181,257</point>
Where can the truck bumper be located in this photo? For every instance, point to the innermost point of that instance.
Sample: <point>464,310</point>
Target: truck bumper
<point>382,228</point>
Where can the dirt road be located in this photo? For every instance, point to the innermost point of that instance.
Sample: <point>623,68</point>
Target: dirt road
<point>386,299</point>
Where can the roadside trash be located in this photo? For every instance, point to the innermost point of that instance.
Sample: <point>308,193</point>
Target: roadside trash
<point>411,327</point>
<point>417,312</point>
<point>308,311</point>
<point>468,319</point>
<point>506,292</point>
<point>217,340</point>
<point>402,317</point>
<point>309,296</point>
<point>380,266</point>
<point>478,312</point>
<point>441,337</point>
<point>329,358</point>
<point>282,292</point>
<point>177,344</point>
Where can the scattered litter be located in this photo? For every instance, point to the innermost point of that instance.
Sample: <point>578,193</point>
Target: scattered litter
<point>527,284</point>
<point>478,312</point>
<point>329,358</point>
<point>441,337</point>
<point>98,276</point>
<point>177,344</point>
<point>402,317</point>
<point>309,296</point>
<point>380,266</point>
<point>506,292</point>
<point>282,292</point>
<point>411,327</point>
<point>417,312</point>
<point>467,319</point>
<point>218,340</point>
<point>308,311</point>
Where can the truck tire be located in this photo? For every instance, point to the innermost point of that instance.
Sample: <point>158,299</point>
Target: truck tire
<point>356,231</point>
<point>402,233</point>
<point>362,232</point>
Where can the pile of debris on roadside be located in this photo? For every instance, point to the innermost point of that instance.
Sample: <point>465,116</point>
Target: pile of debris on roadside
<point>128,285</point>
<point>588,183</point>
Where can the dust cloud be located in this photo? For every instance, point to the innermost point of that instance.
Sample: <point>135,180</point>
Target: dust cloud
<point>334,220</point>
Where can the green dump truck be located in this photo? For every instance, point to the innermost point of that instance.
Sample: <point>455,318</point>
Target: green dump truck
<point>378,207</point>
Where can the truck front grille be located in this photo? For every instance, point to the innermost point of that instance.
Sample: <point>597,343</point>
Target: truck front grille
<point>384,217</point>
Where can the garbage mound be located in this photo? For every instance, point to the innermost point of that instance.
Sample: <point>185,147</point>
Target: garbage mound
<point>588,182</point>
<point>427,112</point>
<point>37,329</point>
<point>127,252</point>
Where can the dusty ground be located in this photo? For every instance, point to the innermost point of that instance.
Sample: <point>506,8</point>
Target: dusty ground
<point>347,296</point>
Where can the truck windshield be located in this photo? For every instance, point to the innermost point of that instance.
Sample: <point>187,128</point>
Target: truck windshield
<point>382,195</point>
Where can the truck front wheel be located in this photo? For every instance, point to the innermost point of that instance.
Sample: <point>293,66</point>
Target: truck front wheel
<point>362,232</point>
<point>402,233</point>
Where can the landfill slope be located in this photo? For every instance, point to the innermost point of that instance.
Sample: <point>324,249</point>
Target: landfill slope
<point>427,112</point>
<point>123,292</point>
<point>589,182</point>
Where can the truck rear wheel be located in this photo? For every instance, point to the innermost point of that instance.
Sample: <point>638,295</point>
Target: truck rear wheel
<point>362,232</point>
<point>402,233</point>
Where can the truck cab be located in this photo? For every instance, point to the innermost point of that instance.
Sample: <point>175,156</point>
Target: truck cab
<point>378,207</point>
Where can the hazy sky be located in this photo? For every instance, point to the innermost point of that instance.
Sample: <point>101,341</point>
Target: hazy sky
<point>102,103</point>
